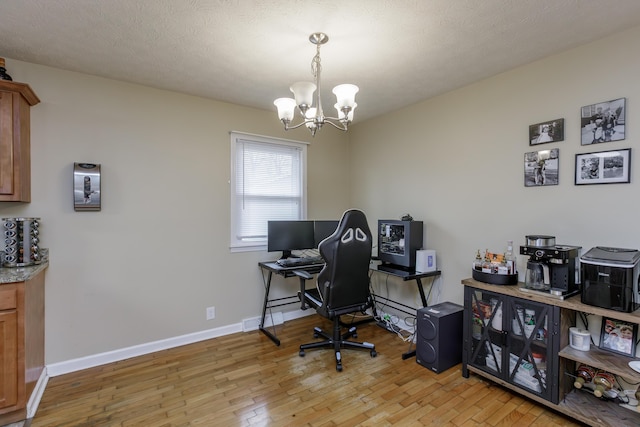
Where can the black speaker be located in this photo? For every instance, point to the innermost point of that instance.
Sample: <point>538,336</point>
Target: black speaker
<point>439,336</point>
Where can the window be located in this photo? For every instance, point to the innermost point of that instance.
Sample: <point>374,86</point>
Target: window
<point>268,182</point>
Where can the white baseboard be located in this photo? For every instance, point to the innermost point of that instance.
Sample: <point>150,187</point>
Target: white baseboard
<point>247,325</point>
<point>36,395</point>
<point>81,363</point>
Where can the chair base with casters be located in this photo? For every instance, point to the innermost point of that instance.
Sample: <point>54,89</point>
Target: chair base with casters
<point>337,340</point>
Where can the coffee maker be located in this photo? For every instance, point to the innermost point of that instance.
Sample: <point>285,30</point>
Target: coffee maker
<point>551,269</point>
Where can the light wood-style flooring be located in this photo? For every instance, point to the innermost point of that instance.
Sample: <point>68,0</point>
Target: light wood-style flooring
<point>245,380</point>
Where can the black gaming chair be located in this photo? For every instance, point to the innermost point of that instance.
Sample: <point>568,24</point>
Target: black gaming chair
<point>343,283</point>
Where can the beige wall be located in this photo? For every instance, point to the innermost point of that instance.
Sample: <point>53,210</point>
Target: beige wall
<point>146,267</point>
<point>456,161</point>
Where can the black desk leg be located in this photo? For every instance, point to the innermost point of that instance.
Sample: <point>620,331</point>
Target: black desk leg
<point>264,312</point>
<point>423,297</point>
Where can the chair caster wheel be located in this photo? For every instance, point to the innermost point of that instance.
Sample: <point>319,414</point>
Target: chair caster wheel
<point>339,368</point>
<point>373,353</point>
<point>301,354</point>
<point>355,335</point>
<point>315,335</point>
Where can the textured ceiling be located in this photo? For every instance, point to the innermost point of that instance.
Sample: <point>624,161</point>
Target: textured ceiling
<point>248,52</point>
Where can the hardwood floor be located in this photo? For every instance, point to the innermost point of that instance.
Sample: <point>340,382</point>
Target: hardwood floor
<point>245,380</point>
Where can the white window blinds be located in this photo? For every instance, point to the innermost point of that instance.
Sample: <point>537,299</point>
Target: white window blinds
<point>268,183</point>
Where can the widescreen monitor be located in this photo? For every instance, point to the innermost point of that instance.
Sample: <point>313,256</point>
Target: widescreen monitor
<point>287,236</point>
<point>323,229</point>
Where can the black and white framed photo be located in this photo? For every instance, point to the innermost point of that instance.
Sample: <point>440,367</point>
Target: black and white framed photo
<point>603,122</point>
<point>604,167</point>
<point>551,131</point>
<point>618,336</point>
<point>541,168</point>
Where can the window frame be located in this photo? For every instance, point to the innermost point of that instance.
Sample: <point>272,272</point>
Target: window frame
<point>235,244</point>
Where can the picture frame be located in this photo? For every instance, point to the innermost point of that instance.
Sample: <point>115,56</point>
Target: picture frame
<point>603,167</point>
<point>545,132</point>
<point>603,122</point>
<point>618,336</point>
<point>541,168</point>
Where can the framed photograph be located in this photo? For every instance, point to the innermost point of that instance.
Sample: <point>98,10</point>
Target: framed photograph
<point>603,122</point>
<point>618,336</point>
<point>604,167</point>
<point>551,131</point>
<point>541,168</point>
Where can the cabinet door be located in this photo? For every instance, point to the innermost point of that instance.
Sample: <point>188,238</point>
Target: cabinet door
<point>6,143</point>
<point>485,346</point>
<point>8,358</point>
<point>532,343</point>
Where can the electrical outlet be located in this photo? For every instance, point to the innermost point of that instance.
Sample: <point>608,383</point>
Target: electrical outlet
<point>211,313</point>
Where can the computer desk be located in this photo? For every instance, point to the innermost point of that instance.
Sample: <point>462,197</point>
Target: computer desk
<point>273,267</point>
<point>405,275</point>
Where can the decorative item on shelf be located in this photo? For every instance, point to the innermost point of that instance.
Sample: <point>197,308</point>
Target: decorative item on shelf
<point>3,71</point>
<point>618,336</point>
<point>494,269</point>
<point>580,339</point>
<point>312,114</point>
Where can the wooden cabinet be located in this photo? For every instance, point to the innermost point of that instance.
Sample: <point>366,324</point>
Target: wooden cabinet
<point>16,99</point>
<point>577,404</point>
<point>22,341</point>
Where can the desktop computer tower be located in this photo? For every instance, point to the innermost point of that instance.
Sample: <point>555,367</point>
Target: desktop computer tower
<point>439,336</point>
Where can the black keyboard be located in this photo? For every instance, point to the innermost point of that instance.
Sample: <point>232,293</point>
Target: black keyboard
<point>297,262</point>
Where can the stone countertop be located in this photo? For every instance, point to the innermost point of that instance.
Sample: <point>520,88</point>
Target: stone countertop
<point>20,274</point>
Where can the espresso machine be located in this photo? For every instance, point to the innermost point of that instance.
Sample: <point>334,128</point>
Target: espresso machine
<point>551,269</point>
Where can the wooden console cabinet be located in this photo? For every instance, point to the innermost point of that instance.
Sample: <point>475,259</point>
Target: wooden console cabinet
<point>560,394</point>
<point>16,99</point>
<point>22,341</point>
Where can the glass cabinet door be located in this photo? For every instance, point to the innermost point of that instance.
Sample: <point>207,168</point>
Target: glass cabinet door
<point>487,331</point>
<point>513,339</point>
<point>532,343</point>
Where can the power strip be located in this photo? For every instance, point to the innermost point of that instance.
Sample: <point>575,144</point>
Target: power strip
<point>390,327</point>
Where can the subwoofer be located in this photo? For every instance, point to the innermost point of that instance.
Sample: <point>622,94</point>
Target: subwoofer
<point>439,336</point>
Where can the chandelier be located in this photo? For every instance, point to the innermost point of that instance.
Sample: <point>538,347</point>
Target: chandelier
<point>312,116</point>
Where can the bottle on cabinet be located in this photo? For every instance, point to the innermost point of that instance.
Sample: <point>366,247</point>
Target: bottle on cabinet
<point>510,258</point>
<point>584,375</point>
<point>477,262</point>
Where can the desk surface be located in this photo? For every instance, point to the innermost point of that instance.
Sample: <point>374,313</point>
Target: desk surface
<point>404,274</point>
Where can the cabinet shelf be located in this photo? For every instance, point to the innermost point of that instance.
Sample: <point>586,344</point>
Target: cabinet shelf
<point>601,359</point>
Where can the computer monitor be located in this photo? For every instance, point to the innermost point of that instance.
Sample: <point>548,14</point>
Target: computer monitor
<point>287,236</point>
<point>323,229</point>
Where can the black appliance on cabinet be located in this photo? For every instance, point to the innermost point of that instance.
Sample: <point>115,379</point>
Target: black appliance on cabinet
<point>610,278</point>
<point>439,336</point>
